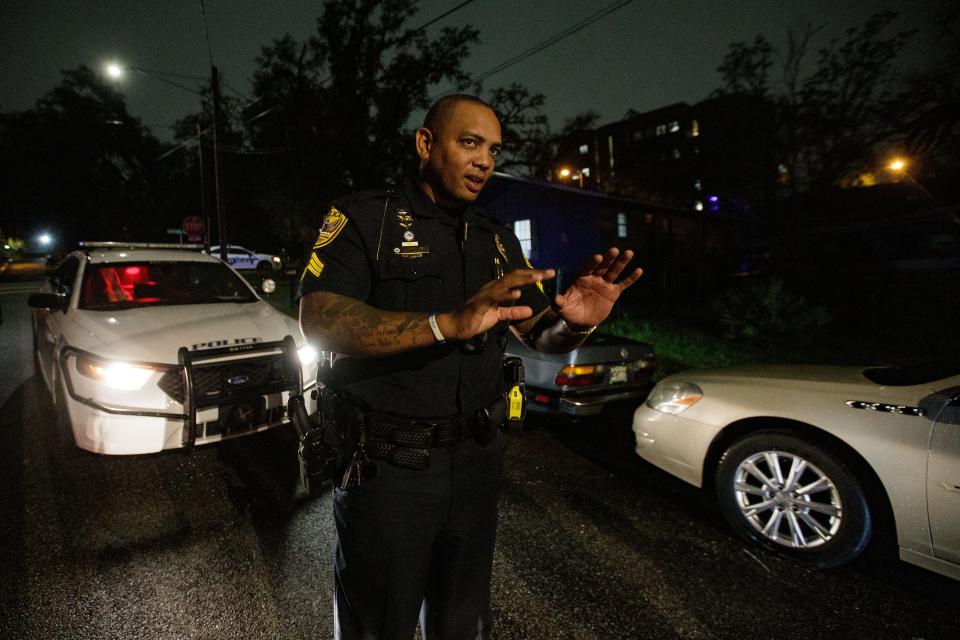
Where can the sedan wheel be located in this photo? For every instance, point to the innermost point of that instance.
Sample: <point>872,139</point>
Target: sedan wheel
<point>794,496</point>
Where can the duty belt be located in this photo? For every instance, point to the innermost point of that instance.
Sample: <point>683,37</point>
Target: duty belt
<point>407,443</point>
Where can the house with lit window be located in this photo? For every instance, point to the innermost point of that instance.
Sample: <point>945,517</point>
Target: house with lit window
<point>682,251</point>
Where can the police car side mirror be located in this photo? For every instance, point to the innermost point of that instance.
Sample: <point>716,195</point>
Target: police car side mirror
<point>53,301</point>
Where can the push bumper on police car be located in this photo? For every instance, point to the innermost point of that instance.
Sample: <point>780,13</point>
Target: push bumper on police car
<point>210,395</point>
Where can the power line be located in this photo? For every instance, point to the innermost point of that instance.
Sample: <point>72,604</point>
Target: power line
<point>166,81</point>
<point>443,15</point>
<point>267,111</point>
<point>328,78</point>
<point>172,75</point>
<point>552,40</point>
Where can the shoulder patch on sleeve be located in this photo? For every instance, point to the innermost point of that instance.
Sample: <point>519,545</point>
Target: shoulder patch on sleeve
<point>333,224</point>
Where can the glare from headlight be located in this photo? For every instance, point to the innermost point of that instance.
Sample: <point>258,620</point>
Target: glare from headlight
<point>674,397</point>
<point>118,375</point>
<point>307,355</point>
<point>276,259</point>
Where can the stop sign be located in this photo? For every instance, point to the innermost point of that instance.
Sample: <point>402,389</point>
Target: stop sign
<point>193,227</point>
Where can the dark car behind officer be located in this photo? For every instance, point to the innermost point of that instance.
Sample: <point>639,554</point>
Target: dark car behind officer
<point>413,290</point>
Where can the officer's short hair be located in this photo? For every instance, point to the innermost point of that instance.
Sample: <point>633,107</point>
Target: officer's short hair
<point>441,109</point>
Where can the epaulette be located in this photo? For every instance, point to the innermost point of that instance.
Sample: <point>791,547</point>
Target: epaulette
<point>367,194</point>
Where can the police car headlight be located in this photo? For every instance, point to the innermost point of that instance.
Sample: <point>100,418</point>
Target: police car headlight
<point>674,397</point>
<point>276,259</point>
<point>307,355</point>
<point>119,375</point>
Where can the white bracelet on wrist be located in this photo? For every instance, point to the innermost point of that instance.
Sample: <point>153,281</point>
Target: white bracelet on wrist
<point>570,331</point>
<point>435,328</point>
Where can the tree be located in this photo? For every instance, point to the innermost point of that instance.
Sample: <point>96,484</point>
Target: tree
<point>525,130</point>
<point>827,123</point>
<point>746,68</point>
<point>929,107</point>
<point>840,106</point>
<point>329,113</point>
<point>78,162</point>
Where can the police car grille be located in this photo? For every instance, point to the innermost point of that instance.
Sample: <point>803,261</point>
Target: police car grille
<point>218,382</point>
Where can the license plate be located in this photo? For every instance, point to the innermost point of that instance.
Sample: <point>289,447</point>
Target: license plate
<point>242,416</point>
<point>618,373</point>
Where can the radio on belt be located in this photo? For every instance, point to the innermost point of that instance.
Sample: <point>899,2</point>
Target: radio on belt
<point>516,405</point>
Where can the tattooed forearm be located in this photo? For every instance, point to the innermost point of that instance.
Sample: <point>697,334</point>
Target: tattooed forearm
<point>352,328</point>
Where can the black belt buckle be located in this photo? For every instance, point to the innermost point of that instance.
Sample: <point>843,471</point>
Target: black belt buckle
<point>414,435</point>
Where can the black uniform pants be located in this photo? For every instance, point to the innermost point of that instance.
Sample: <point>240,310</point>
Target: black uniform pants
<point>419,543</point>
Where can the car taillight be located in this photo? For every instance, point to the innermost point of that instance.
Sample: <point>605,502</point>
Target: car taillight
<point>579,375</point>
<point>643,368</point>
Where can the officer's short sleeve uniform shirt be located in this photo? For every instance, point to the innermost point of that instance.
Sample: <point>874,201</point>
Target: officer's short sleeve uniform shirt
<point>398,251</point>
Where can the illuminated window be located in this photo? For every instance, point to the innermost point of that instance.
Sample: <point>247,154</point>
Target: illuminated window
<point>674,126</point>
<point>661,129</point>
<point>526,232</point>
<point>621,225</point>
<point>695,128</point>
<point>584,149</point>
<point>698,185</point>
<point>586,172</point>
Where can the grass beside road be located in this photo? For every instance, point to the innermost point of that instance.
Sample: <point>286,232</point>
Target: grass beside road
<point>685,336</point>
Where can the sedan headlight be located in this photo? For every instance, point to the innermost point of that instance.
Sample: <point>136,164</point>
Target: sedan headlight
<point>674,397</point>
<point>307,355</point>
<point>119,375</point>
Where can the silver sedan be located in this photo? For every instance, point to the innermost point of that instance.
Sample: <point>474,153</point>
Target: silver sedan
<point>810,460</point>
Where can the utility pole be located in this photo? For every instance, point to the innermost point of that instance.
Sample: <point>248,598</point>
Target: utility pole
<point>215,84</point>
<point>203,195</point>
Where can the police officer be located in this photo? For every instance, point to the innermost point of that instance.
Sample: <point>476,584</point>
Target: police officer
<point>414,290</point>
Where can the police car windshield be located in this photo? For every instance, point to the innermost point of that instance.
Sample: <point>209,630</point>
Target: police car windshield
<point>147,284</point>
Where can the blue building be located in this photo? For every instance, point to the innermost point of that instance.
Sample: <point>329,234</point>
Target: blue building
<point>683,252</point>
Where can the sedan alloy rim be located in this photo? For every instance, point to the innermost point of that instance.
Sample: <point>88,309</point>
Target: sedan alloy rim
<point>787,499</point>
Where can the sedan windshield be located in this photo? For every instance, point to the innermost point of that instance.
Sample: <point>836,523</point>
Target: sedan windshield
<point>147,284</point>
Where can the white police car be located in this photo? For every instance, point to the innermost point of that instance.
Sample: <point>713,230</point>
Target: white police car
<point>242,258</point>
<point>151,347</point>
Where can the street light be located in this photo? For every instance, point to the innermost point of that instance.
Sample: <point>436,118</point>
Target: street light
<point>897,164</point>
<point>113,70</point>
<point>564,173</point>
<point>116,71</point>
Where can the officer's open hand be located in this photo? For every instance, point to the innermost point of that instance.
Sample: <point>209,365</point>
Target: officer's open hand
<point>491,304</point>
<point>588,301</point>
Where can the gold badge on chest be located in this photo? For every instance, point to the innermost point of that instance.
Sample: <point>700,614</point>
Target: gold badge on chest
<point>409,247</point>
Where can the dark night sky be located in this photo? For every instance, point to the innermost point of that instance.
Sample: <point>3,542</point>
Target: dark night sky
<point>647,55</point>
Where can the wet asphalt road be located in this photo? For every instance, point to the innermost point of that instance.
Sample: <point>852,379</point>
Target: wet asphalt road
<point>593,544</point>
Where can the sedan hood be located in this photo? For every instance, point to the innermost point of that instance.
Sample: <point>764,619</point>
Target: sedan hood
<point>774,374</point>
<point>155,334</point>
